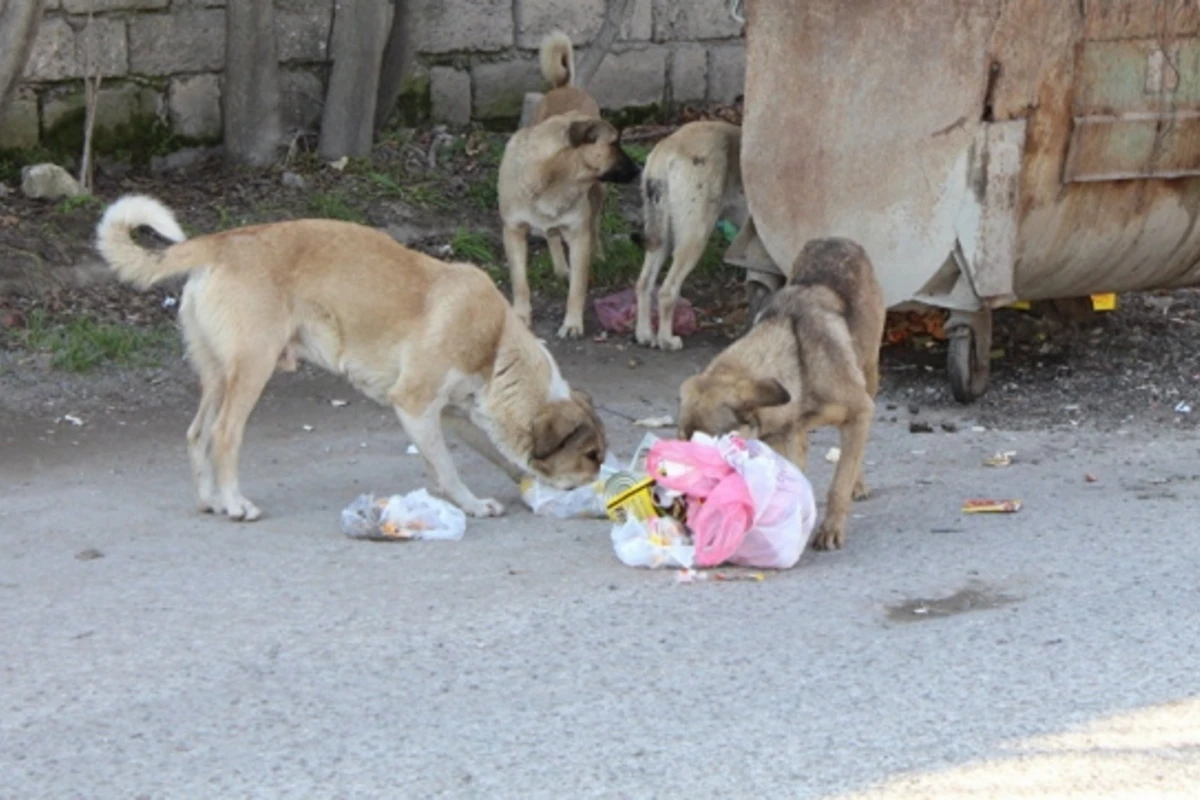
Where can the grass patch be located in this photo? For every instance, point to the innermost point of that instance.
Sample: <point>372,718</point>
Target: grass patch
<point>638,152</point>
<point>473,246</point>
<point>425,195</point>
<point>69,205</point>
<point>334,206</point>
<point>82,344</point>
<point>483,193</point>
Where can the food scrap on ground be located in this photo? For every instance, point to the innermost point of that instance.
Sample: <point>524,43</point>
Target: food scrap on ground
<point>991,506</point>
<point>1002,459</point>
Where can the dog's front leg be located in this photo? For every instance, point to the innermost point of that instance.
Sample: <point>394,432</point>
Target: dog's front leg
<point>425,430</point>
<point>579,245</point>
<point>516,249</point>
<point>475,438</point>
<point>852,437</point>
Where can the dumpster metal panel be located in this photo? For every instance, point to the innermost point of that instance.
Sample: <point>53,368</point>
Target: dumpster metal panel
<point>856,126</point>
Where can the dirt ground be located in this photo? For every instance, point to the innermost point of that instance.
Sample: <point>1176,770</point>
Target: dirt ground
<point>434,189</point>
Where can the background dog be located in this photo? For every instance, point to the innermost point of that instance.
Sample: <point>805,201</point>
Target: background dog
<point>690,178</point>
<point>426,337</point>
<point>549,183</point>
<point>811,359</point>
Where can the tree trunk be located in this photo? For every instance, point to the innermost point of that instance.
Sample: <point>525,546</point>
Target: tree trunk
<point>253,129</point>
<point>18,28</point>
<point>614,17</point>
<point>397,58</point>
<point>360,32</point>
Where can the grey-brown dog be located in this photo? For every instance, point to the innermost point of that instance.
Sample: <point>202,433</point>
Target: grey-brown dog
<point>550,183</point>
<point>810,360</point>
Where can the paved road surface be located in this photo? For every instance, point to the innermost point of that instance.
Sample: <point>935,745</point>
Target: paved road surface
<point>1051,653</point>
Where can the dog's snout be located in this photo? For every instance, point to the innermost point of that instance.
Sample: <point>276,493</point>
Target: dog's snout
<point>624,170</point>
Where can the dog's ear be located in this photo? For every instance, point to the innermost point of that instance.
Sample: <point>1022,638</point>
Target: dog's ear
<point>583,398</point>
<point>552,430</point>
<point>764,393</point>
<point>585,131</point>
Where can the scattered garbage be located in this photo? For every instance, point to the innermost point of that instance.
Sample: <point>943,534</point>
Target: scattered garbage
<point>833,455</point>
<point>307,428</point>
<point>412,450</point>
<point>416,515</point>
<point>1002,459</point>
<point>74,420</point>
<point>582,502</point>
<point>1183,407</point>
<point>665,421</point>
<point>696,576</point>
<point>920,427</point>
<point>1089,477</point>
<point>618,314</point>
<point>654,542</point>
<point>744,503</point>
<point>339,403</point>
<point>991,506</point>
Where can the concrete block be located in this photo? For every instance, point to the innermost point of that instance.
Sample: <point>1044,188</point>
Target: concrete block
<point>109,48</point>
<point>689,73</point>
<point>194,106</point>
<point>19,124</point>
<point>632,78</point>
<point>447,26</point>
<point>53,55</point>
<point>498,90</point>
<point>640,25</point>
<point>302,30</point>
<point>726,72</point>
<point>101,6</point>
<point>676,21</point>
<point>579,19</point>
<point>302,98</point>
<point>116,105</point>
<point>188,41</point>
<point>450,95</point>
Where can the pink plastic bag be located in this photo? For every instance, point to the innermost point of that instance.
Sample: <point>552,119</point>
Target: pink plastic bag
<point>618,314</point>
<point>747,504</point>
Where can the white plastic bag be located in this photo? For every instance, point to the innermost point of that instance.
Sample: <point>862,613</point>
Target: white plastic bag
<point>416,515</point>
<point>582,502</point>
<point>785,510</point>
<point>656,542</point>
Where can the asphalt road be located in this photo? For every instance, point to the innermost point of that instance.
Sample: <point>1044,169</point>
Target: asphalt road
<point>148,651</point>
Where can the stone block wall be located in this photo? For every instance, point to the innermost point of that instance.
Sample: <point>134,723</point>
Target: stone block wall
<point>162,60</point>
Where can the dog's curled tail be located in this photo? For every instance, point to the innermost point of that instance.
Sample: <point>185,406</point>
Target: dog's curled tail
<point>133,263</point>
<point>557,58</point>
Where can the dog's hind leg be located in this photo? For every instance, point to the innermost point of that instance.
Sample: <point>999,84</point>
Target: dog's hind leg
<point>871,374</point>
<point>652,264</point>
<point>689,248</point>
<point>558,255</point>
<point>246,376</point>
<point>199,433</point>
<point>516,249</point>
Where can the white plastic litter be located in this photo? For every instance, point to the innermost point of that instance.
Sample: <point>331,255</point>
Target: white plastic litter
<point>582,502</point>
<point>657,542</point>
<point>416,515</point>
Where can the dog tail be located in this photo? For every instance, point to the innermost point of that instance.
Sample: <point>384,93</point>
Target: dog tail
<point>557,58</point>
<point>132,262</point>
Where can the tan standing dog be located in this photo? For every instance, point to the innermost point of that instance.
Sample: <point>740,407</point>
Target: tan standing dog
<point>549,183</point>
<point>691,177</point>
<point>811,360</point>
<point>428,338</point>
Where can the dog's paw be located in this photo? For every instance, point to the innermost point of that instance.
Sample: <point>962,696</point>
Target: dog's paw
<point>645,337</point>
<point>670,343</point>
<point>829,537</point>
<point>860,492</point>
<point>570,330</point>
<point>240,509</point>
<point>486,507</point>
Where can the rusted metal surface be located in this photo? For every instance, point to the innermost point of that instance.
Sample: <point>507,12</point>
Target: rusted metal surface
<point>1041,149</point>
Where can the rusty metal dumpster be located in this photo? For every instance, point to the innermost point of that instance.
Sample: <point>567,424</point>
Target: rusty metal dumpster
<point>982,151</point>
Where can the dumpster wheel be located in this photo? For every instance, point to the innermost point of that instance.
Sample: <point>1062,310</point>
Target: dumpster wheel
<point>967,356</point>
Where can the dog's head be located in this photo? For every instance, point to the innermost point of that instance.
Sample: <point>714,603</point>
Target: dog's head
<point>597,144</point>
<point>719,404</point>
<point>569,443</point>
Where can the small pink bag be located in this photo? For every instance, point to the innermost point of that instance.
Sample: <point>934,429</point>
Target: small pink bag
<point>747,504</point>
